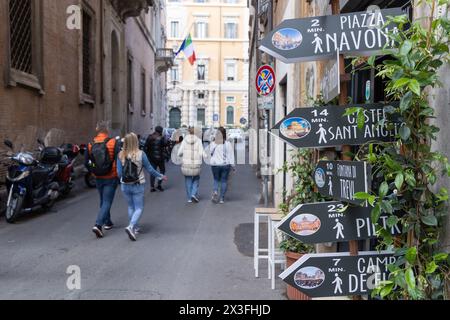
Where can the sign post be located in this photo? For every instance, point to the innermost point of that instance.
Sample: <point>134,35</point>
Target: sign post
<point>329,127</point>
<point>318,38</point>
<point>328,222</point>
<point>341,180</point>
<point>339,274</point>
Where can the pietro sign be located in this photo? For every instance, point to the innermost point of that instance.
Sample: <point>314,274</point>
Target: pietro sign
<point>325,222</point>
<point>339,274</point>
<point>317,38</point>
<point>329,127</point>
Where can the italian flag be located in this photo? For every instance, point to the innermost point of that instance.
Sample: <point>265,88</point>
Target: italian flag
<point>188,48</point>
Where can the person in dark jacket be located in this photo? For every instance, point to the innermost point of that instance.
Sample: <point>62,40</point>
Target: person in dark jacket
<point>156,150</point>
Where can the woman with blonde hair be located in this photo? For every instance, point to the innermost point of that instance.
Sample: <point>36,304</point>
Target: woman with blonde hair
<point>130,168</point>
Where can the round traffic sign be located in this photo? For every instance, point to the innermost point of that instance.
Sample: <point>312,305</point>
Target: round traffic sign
<point>265,80</point>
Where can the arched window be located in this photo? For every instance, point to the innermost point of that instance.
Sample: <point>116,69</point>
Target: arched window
<point>230,115</point>
<point>175,118</point>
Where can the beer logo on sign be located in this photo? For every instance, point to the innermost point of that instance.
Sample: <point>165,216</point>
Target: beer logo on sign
<point>309,278</point>
<point>305,224</point>
<point>320,178</point>
<point>295,128</point>
<point>287,39</point>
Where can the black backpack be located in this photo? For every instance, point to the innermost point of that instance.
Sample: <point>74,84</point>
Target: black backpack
<point>101,162</point>
<point>130,172</point>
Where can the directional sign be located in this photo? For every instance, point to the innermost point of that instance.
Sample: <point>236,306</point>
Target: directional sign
<point>318,38</point>
<point>331,82</point>
<point>328,127</point>
<point>216,117</point>
<point>339,274</point>
<point>326,222</point>
<point>265,80</point>
<point>341,180</point>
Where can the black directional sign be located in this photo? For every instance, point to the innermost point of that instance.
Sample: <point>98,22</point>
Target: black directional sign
<point>334,274</point>
<point>341,180</point>
<point>324,222</point>
<point>330,127</point>
<point>317,38</point>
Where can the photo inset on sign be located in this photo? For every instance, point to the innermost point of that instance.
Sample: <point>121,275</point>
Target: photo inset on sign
<point>320,178</point>
<point>295,128</point>
<point>287,39</point>
<point>305,224</point>
<point>309,278</point>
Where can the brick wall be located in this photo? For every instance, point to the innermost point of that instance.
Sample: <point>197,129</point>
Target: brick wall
<point>57,116</point>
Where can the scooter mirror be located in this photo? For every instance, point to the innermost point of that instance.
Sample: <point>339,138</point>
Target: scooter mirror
<point>9,144</point>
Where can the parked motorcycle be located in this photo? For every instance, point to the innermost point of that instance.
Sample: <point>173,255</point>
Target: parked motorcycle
<point>66,164</point>
<point>29,183</point>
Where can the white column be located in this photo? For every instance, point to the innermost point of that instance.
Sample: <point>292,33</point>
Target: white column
<point>210,110</point>
<point>217,108</point>
<point>192,113</point>
<point>185,109</point>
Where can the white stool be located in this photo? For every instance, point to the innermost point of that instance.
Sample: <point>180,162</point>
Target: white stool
<point>261,253</point>
<point>275,256</point>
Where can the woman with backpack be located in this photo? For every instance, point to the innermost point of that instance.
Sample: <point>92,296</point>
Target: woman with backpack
<point>130,167</point>
<point>222,162</point>
<point>191,153</point>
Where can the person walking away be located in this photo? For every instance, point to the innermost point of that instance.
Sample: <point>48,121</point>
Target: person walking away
<point>191,153</point>
<point>222,162</point>
<point>156,149</point>
<point>130,168</point>
<point>101,161</point>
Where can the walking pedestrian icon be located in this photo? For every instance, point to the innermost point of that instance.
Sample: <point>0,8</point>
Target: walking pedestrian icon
<point>318,43</point>
<point>340,230</point>
<point>338,284</point>
<point>323,134</point>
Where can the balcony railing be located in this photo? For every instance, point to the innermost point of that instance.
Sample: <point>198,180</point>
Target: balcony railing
<point>131,8</point>
<point>164,59</point>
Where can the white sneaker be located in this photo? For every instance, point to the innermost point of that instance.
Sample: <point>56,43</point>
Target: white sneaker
<point>131,233</point>
<point>215,197</point>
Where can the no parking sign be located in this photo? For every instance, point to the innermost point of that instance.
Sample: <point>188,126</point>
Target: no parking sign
<point>265,80</point>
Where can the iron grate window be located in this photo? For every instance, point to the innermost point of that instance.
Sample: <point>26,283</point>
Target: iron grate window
<point>87,25</point>
<point>20,19</point>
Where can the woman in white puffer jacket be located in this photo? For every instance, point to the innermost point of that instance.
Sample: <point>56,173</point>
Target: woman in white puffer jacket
<point>191,152</point>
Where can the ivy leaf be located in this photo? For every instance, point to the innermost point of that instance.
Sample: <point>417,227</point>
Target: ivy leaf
<point>405,133</point>
<point>414,86</point>
<point>387,207</point>
<point>361,120</point>
<point>440,257</point>
<point>386,290</point>
<point>399,181</point>
<point>376,214</point>
<point>410,279</point>
<point>371,61</point>
<point>401,83</point>
<point>410,179</point>
<point>406,47</point>
<point>430,221</point>
<point>411,255</point>
<point>406,101</point>
<point>361,196</point>
<point>384,188</point>
<point>431,267</point>
<point>392,221</point>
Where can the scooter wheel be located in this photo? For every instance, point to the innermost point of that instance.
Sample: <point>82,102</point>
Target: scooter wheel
<point>14,209</point>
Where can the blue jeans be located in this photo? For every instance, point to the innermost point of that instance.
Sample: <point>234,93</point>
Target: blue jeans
<point>107,190</point>
<point>192,185</point>
<point>221,175</point>
<point>135,198</point>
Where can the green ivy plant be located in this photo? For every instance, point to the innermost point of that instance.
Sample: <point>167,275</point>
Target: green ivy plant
<point>301,168</point>
<point>408,170</point>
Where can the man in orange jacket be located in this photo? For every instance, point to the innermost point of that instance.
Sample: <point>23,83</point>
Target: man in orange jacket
<point>101,159</point>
